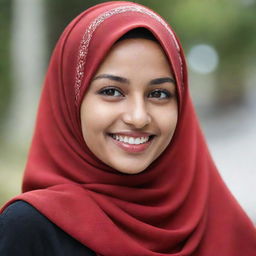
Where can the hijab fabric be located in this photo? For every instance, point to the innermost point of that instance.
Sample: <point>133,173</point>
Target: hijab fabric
<point>179,205</point>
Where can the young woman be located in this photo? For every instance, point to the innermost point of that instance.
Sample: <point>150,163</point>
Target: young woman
<point>118,164</point>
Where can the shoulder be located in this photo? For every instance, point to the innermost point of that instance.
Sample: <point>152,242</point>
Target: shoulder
<point>25,231</point>
<point>21,216</point>
<point>19,226</point>
<point>20,221</point>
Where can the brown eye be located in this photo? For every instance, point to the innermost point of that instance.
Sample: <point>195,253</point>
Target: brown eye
<point>112,92</point>
<point>159,94</point>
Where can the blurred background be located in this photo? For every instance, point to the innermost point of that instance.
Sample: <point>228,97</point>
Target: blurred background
<point>219,39</point>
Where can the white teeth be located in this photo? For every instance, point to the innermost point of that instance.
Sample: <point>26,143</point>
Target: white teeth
<point>130,140</point>
<point>137,141</point>
<point>126,140</point>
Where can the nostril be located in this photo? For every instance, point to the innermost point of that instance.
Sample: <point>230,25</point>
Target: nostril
<point>137,118</point>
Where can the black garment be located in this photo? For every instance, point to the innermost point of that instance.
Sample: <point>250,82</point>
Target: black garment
<point>26,232</point>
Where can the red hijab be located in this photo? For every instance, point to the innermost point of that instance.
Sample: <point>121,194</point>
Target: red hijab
<point>179,205</point>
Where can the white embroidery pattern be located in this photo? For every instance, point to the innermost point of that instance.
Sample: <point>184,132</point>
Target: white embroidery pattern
<point>83,49</point>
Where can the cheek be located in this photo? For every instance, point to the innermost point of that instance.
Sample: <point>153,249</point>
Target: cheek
<point>95,118</point>
<point>167,121</point>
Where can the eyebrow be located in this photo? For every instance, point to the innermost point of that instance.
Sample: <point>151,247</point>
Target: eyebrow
<point>162,80</point>
<point>126,81</point>
<point>113,78</point>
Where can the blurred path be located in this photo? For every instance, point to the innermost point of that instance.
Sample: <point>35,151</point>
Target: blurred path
<point>232,141</point>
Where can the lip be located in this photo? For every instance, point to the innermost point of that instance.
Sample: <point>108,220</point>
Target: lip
<point>133,134</point>
<point>133,148</point>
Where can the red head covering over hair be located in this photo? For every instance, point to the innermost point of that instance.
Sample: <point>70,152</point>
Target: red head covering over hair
<point>179,205</point>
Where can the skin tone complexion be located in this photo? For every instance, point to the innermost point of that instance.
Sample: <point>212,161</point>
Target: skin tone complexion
<point>129,112</point>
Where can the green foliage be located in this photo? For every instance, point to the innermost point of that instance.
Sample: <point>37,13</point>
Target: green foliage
<point>5,80</point>
<point>218,21</point>
<point>61,12</point>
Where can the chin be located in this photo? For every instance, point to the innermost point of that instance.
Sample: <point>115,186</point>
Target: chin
<point>130,170</point>
<point>132,164</point>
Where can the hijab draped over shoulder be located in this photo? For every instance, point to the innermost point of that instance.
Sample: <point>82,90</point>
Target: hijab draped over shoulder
<point>179,205</point>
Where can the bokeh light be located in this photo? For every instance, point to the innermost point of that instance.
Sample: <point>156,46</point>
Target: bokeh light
<point>203,58</point>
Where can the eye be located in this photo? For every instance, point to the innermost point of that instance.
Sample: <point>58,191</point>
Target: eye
<point>111,91</point>
<point>160,94</point>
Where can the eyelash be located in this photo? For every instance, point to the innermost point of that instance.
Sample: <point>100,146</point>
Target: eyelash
<point>161,91</point>
<point>105,91</point>
<point>116,92</point>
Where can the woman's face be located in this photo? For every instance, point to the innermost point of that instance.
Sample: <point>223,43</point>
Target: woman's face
<point>129,112</point>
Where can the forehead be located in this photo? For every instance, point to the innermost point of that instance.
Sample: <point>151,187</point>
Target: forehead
<point>135,54</point>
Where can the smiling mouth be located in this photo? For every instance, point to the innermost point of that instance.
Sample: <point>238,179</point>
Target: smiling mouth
<point>132,140</point>
<point>132,144</point>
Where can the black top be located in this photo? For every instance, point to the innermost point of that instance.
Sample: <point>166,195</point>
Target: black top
<point>26,232</point>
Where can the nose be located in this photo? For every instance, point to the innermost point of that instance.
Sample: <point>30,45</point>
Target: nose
<point>137,113</point>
